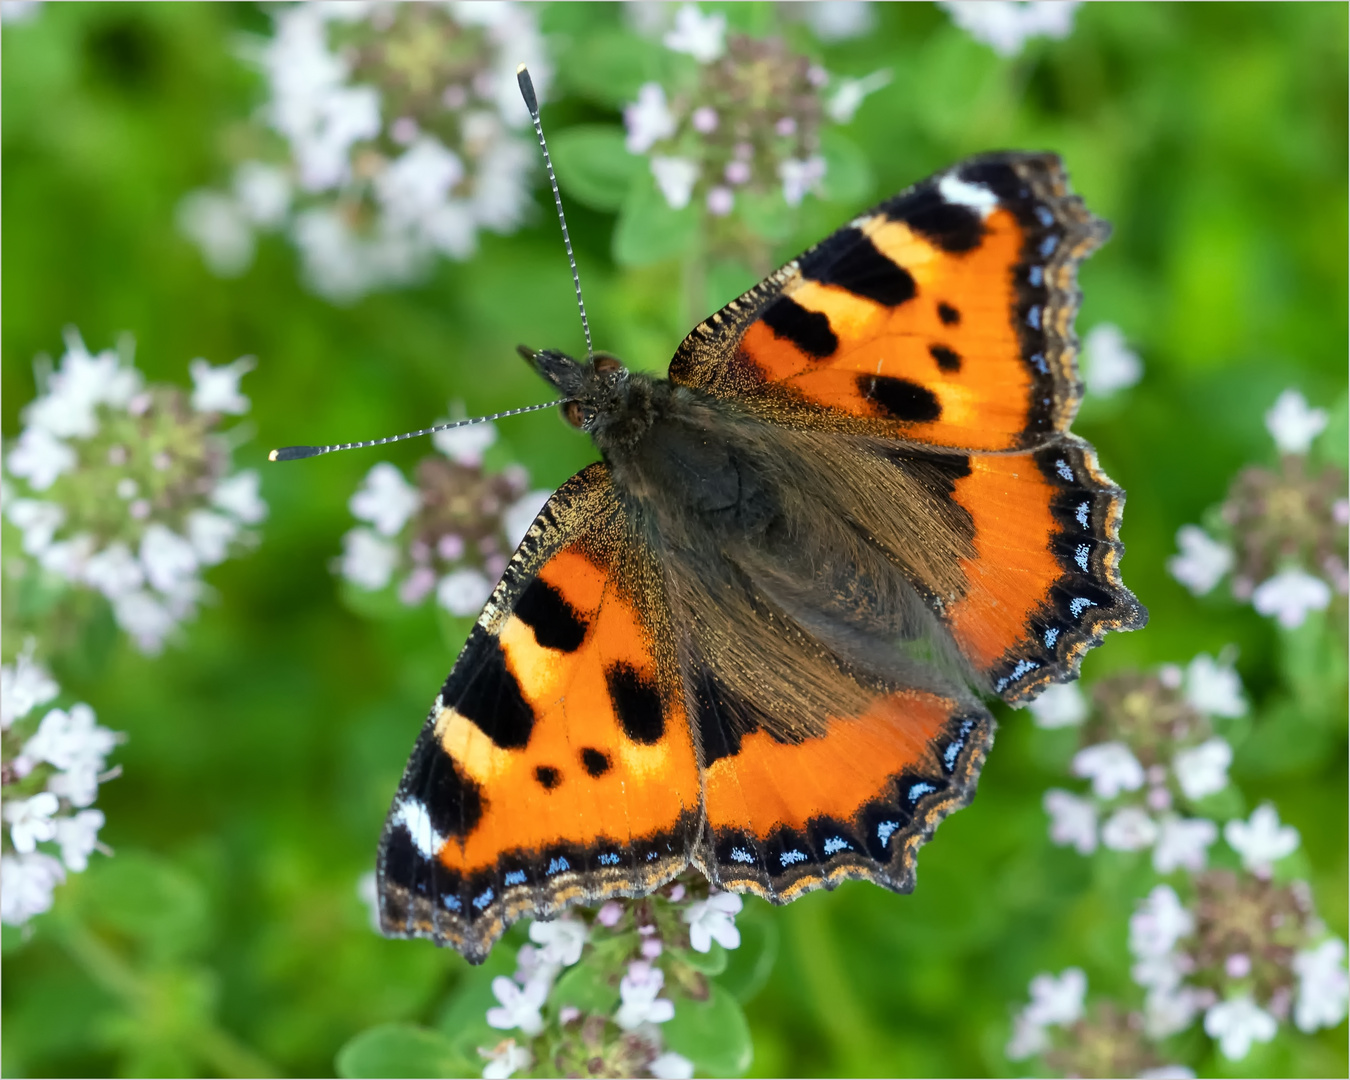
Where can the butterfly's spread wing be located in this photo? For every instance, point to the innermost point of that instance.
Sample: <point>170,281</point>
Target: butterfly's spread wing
<point>942,323</point>
<point>557,763</point>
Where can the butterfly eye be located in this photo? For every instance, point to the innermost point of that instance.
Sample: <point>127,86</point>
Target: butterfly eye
<point>606,364</point>
<point>577,414</point>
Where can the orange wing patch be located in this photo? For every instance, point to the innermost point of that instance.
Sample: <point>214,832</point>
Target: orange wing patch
<point>557,763</point>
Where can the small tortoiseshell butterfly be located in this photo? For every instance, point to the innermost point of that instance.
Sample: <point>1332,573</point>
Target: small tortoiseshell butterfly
<point>751,638</point>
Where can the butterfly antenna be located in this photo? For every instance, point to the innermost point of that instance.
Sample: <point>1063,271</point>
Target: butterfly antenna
<point>532,103</point>
<point>294,453</point>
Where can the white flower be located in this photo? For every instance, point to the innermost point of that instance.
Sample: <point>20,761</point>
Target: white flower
<point>561,939</point>
<point>671,1066</point>
<point>210,535</point>
<point>1322,986</point>
<point>368,560</point>
<point>24,685</point>
<point>219,226</point>
<point>639,1003</point>
<point>1261,840</point>
<point>78,837</point>
<point>38,520</point>
<point>385,499</point>
<point>1292,424</point>
<point>519,1006</point>
<point>648,120</point>
<point>78,784</point>
<point>26,884</point>
<point>66,558</point>
<point>1237,1023</point>
<point>839,20</point>
<point>1129,829</point>
<point>145,618</point>
<point>1057,999</point>
<point>701,36</point>
<point>1028,1039</point>
<point>463,591</point>
<point>368,892</point>
<point>418,181</point>
<point>238,495</point>
<point>1214,687</point>
<point>799,177</point>
<point>676,178</point>
<point>519,516</point>
<point>1170,1009</point>
<point>337,265</point>
<point>1159,923</point>
<point>1072,820</point>
<point>114,571</point>
<point>465,445</point>
<point>216,389</point>
<point>40,457</point>
<point>1005,25</point>
<point>65,739</point>
<point>1109,364</point>
<point>168,558</point>
<point>1060,705</point>
<point>263,193</point>
<point>1183,843</point>
<point>30,820</point>
<point>1202,770</point>
<point>82,383</point>
<point>1290,595</point>
<point>851,93</point>
<point>15,12</point>
<point>714,919</point>
<point>1111,767</point>
<point>505,1059</point>
<point>1202,560</point>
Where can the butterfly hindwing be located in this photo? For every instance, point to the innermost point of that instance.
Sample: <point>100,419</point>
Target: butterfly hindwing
<point>557,763</point>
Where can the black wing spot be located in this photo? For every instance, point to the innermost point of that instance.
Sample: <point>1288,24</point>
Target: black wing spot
<point>482,688</point>
<point>948,314</point>
<point>548,777</point>
<point>555,622</point>
<point>638,703</point>
<point>952,227</point>
<point>595,762</point>
<point>851,261</point>
<point>808,330</point>
<point>899,398</point>
<point>947,359</point>
<point>454,803</point>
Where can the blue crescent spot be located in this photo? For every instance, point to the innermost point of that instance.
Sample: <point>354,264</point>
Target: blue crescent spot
<point>651,855</point>
<point>558,865</point>
<point>790,857</point>
<point>884,831</point>
<point>1048,245</point>
<point>1080,604</point>
<point>1038,362</point>
<point>515,877</point>
<point>452,902</point>
<point>1062,467</point>
<point>1044,216</point>
<point>836,843</point>
<point>1034,317</point>
<point>952,752</point>
<point>919,790</point>
<point>1035,274</point>
<point>1051,636</point>
<point>483,899</point>
<point>1080,556</point>
<point>609,859</point>
<point>1082,514</point>
<point>741,855</point>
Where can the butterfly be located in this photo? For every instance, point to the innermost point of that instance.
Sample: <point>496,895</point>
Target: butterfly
<point>755,637</point>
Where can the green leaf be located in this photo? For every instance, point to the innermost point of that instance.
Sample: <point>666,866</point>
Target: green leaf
<point>148,899</point>
<point>609,67</point>
<point>767,215</point>
<point>594,166</point>
<point>401,1050</point>
<point>750,965</point>
<point>464,1019</point>
<point>712,962</point>
<point>713,1034</point>
<point>848,175</point>
<point>649,231</point>
<point>586,986</point>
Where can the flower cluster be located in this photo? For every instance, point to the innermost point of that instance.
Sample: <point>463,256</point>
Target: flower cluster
<point>1148,749</point>
<point>1006,25</point>
<point>1109,364</point>
<point>640,945</point>
<point>1106,1041</point>
<point>1247,954</point>
<point>743,123</point>
<point>401,135</point>
<point>1281,533</point>
<point>451,534</point>
<point>126,489</point>
<point>48,784</point>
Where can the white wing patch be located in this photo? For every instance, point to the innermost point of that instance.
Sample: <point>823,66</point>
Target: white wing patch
<point>955,190</point>
<point>413,816</point>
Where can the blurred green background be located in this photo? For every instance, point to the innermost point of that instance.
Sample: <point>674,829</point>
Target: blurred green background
<point>262,755</point>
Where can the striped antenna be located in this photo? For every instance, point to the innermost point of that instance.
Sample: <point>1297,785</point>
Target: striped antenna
<point>295,453</point>
<point>532,103</point>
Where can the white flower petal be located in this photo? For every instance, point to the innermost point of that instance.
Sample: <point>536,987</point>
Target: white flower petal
<point>1290,595</point>
<point>676,178</point>
<point>1261,840</point>
<point>1292,424</point>
<point>385,499</point>
<point>1109,364</point>
<point>216,389</point>
<point>463,591</point>
<point>701,36</point>
<point>1059,705</point>
<point>368,560</point>
<point>1202,562</point>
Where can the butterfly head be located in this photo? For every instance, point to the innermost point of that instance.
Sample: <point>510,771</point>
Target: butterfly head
<point>591,389</point>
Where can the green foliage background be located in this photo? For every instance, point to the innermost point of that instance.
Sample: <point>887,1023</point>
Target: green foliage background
<point>226,935</point>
